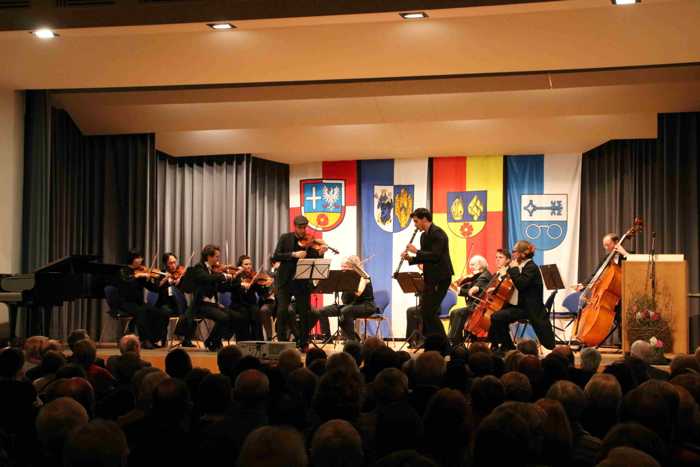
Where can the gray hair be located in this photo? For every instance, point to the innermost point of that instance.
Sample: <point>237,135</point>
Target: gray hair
<point>590,359</point>
<point>480,260</point>
<point>129,343</point>
<point>642,350</point>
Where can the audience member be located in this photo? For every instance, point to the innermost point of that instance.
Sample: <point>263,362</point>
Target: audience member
<point>516,387</point>
<point>99,443</point>
<point>273,447</point>
<point>336,443</point>
<point>84,354</point>
<point>604,396</point>
<point>178,364</point>
<point>56,420</point>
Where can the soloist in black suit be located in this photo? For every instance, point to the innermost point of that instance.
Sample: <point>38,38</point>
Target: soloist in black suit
<point>528,282</point>
<point>288,287</point>
<point>434,255</point>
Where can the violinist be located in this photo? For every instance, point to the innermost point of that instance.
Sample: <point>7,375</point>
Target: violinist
<point>208,277</point>
<point>358,304</point>
<point>170,297</point>
<point>245,297</point>
<point>151,321</point>
<point>291,247</point>
<point>268,301</point>
<point>470,288</point>
<point>525,303</point>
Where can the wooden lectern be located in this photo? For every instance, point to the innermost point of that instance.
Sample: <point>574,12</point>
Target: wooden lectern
<point>665,315</point>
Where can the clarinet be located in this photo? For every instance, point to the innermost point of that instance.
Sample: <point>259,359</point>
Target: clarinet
<point>398,268</point>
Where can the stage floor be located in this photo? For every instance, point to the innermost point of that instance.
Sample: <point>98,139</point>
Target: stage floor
<point>205,359</point>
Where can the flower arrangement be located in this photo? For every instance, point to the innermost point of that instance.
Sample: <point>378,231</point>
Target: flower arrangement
<point>646,321</point>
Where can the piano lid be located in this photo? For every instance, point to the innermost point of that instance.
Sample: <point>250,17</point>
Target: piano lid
<point>17,283</point>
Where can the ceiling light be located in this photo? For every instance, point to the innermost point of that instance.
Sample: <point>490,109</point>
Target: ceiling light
<point>44,33</point>
<point>625,2</point>
<point>221,26</point>
<point>414,15</point>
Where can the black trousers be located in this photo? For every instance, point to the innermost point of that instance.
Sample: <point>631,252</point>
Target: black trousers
<point>347,314</point>
<point>221,316</point>
<point>301,291</point>
<point>151,321</point>
<point>431,298</point>
<point>265,313</point>
<point>245,322</point>
<point>414,322</point>
<point>500,325</point>
<point>458,318</point>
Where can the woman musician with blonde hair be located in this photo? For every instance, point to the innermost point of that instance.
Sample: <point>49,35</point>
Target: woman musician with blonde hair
<point>358,304</point>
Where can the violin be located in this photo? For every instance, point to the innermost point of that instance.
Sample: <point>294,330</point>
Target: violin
<point>226,269</point>
<point>256,278</point>
<point>309,241</point>
<point>148,273</point>
<point>464,281</point>
<point>177,274</point>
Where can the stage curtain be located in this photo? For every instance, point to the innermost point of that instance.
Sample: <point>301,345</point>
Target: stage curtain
<point>237,202</point>
<point>654,179</point>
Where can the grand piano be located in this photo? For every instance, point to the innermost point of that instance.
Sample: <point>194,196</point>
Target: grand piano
<point>64,280</point>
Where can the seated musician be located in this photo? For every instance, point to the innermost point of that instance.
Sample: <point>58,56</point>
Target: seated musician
<point>268,302</point>
<point>151,321</point>
<point>525,303</point>
<point>245,299</point>
<point>611,242</point>
<point>470,288</point>
<point>358,304</point>
<point>207,281</point>
<point>170,297</point>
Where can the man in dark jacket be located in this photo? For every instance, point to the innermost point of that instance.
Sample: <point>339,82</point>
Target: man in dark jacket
<point>434,255</point>
<point>288,252</point>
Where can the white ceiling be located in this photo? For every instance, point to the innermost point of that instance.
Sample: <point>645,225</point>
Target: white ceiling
<point>520,113</point>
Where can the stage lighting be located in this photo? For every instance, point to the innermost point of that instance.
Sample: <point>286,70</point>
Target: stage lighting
<point>221,26</point>
<point>625,2</point>
<point>44,33</point>
<point>414,15</point>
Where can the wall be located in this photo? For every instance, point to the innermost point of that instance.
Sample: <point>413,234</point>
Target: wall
<point>11,147</point>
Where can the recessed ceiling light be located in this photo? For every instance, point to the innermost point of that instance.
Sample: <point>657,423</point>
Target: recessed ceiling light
<point>44,33</point>
<point>414,15</point>
<point>221,26</point>
<point>625,2</point>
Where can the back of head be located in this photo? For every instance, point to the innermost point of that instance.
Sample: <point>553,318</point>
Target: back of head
<point>512,360</point>
<point>406,458</point>
<point>288,449</point>
<point>341,361</point>
<point>214,394</point>
<point>690,382</point>
<point>354,348</point>
<point>84,353</point>
<point>624,456</point>
<point>71,371</point>
<point>78,389</point>
<point>252,386</point>
<point>648,408</point>
<point>11,362</point>
<point>557,434</point>
<point>635,436</point>
<point>178,363</point>
<point>528,347</point>
<point>590,359</point>
<point>517,387</point>
<point>171,401</point>
<point>314,354</point>
<point>604,391</point>
<point>390,386</point>
<point>571,397</point>
<point>684,364</point>
<point>194,378</point>
<point>487,393</point>
<point>378,360</point>
<point>227,358</point>
<point>446,419</point>
<point>76,336</point>
<point>497,431</point>
<point>302,382</point>
<point>564,351</point>
<point>145,390</point>
<point>289,360</point>
<point>52,362</point>
<point>481,363</point>
<point>126,367</point>
<point>371,344</point>
<point>129,343</point>
<point>99,443</point>
<point>641,350</point>
<point>429,369</point>
<point>339,395</point>
<point>622,371</point>
<point>55,422</point>
<point>336,443</point>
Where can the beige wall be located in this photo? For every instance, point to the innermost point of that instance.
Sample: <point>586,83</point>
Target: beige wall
<point>11,147</point>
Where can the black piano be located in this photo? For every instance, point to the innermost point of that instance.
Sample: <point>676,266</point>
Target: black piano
<point>64,280</point>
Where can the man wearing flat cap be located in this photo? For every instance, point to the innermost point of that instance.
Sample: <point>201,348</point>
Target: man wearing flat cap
<point>289,250</point>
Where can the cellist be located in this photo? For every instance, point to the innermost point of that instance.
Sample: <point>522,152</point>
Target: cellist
<point>479,280</point>
<point>525,303</point>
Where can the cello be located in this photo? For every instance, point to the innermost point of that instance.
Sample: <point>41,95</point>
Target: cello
<point>600,297</point>
<point>493,299</point>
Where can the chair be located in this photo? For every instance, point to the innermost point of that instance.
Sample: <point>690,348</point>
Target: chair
<point>446,305</point>
<point>570,312</point>
<point>381,300</point>
<point>115,310</point>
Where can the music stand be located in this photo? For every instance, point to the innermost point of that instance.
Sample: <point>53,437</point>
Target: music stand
<point>553,282</point>
<point>410,282</point>
<point>313,269</point>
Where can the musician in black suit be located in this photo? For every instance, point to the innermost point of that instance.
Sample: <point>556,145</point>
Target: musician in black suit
<point>611,242</point>
<point>434,255</point>
<point>288,252</point>
<point>207,283</point>
<point>525,303</point>
<point>151,321</point>
<point>246,297</point>
<point>475,284</point>
<point>170,296</point>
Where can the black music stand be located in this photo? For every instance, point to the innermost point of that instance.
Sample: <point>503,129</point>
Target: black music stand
<point>410,282</point>
<point>336,283</point>
<point>552,282</point>
<point>313,269</point>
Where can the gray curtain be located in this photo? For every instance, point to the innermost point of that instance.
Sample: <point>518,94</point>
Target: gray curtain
<point>237,202</point>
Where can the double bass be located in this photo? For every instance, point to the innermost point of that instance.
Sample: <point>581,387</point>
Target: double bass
<point>494,297</point>
<point>601,296</point>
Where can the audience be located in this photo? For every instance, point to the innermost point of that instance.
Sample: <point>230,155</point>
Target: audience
<point>368,405</point>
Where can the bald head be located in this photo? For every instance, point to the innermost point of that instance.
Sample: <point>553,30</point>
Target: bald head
<point>336,444</point>
<point>130,343</point>
<point>641,350</point>
<point>289,360</point>
<point>251,386</point>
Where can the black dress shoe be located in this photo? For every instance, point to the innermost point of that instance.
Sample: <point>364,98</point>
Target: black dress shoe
<point>148,345</point>
<point>187,343</point>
